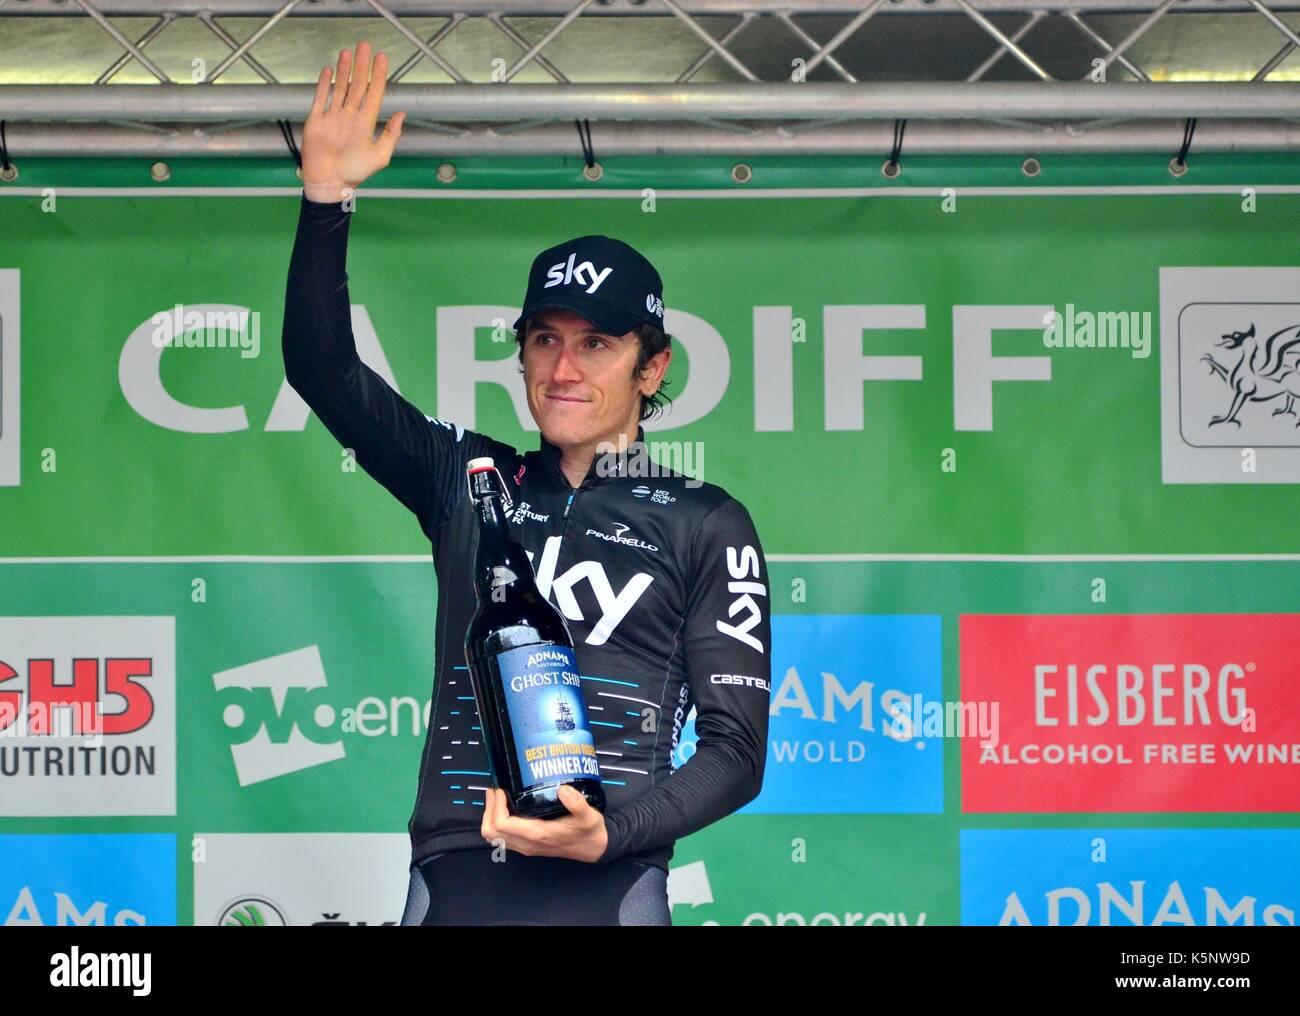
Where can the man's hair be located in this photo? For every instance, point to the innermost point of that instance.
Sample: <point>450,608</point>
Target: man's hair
<point>652,340</point>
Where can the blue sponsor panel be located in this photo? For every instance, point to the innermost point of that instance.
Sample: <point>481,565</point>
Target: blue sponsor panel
<point>844,731</point>
<point>100,879</point>
<point>1130,877</point>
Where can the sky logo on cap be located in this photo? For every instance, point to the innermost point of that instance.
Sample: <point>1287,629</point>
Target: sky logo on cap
<point>654,305</point>
<point>563,272</point>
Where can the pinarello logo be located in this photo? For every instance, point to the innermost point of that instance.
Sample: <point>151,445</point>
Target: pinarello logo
<point>1133,713</point>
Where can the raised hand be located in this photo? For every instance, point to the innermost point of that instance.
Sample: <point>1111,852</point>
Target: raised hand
<point>339,149</point>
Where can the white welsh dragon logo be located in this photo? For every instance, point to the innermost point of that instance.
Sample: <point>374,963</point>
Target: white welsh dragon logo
<point>1262,372</point>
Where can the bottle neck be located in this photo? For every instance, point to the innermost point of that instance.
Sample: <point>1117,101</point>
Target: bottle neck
<point>502,571</point>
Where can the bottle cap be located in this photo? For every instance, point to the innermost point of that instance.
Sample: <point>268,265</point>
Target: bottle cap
<point>478,465</point>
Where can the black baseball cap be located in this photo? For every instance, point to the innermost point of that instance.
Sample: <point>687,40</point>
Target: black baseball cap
<point>605,280</point>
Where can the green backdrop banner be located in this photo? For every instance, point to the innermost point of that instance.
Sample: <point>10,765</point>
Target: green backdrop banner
<point>1000,443</point>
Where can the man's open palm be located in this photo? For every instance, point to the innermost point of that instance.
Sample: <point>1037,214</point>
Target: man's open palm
<point>339,149</point>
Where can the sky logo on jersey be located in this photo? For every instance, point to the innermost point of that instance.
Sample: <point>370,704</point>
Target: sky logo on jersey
<point>613,606</point>
<point>108,880</point>
<point>838,682</point>
<point>295,732</point>
<point>1134,713</point>
<point>1134,877</point>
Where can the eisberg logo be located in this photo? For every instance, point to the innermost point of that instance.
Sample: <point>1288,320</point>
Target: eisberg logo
<point>618,537</point>
<point>1098,712</point>
<point>585,274</point>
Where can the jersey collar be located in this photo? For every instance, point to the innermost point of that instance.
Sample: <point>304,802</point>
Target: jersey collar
<point>605,468</point>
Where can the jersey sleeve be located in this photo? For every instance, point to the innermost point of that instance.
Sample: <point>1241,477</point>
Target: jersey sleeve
<point>727,641</point>
<point>420,460</point>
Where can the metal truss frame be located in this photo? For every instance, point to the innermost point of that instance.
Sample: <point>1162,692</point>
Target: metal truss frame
<point>745,116</point>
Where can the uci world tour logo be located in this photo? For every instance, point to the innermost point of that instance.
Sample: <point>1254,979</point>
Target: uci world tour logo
<point>1230,375</point>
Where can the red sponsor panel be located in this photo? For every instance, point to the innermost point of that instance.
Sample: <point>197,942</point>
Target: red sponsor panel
<point>1133,712</point>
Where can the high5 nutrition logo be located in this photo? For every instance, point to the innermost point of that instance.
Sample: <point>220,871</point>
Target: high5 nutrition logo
<point>87,716</point>
<point>1230,375</point>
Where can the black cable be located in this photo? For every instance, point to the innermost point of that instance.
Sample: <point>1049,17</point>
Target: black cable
<point>897,150</point>
<point>289,139</point>
<point>1188,130</point>
<point>588,152</point>
<point>4,148</point>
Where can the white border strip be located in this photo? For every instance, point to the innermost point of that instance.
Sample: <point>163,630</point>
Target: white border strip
<point>569,195</point>
<point>778,558</point>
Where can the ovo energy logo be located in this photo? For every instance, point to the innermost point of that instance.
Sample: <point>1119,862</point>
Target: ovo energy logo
<point>294,733</point>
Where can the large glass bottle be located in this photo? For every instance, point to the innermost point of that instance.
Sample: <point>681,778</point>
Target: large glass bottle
<point>522,666</point>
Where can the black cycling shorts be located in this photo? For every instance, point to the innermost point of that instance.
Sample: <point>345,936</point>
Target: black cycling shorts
<point>468,887</point>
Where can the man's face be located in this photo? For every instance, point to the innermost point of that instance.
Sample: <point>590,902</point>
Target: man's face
<point>580,381</point>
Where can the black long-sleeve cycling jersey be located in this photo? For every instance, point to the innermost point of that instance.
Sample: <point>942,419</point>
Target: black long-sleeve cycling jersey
<point>662,580</point>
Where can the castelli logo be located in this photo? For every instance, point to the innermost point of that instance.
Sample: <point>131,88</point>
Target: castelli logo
<point>519,476</point>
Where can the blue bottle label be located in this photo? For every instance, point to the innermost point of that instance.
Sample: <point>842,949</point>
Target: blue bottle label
<point>548,715</point>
